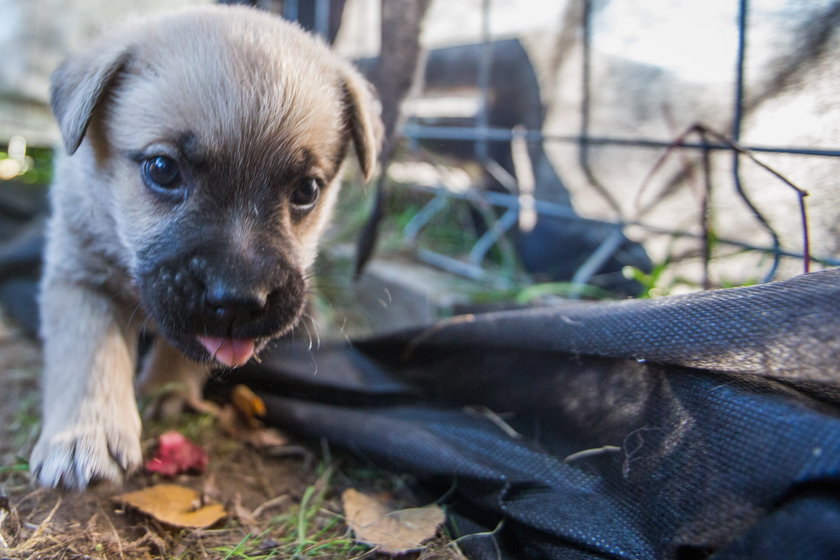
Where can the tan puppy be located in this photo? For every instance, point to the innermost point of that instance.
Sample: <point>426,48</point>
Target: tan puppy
<point>205,149</point>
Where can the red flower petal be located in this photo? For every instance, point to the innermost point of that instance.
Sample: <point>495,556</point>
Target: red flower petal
<point>175,455</point>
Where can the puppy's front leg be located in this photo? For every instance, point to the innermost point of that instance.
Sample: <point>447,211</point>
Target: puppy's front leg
<point>91,427</point>
<point>172,382</point>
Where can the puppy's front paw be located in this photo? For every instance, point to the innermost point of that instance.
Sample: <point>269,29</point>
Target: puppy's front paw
<point>86,451</point>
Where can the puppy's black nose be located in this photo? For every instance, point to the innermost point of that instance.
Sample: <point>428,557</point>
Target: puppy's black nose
<point>231,303</point>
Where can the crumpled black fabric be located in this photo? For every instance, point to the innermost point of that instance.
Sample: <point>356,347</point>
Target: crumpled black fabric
<point>700,426</point>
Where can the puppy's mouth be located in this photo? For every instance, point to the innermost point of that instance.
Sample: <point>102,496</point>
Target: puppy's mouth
<point>228,345</point>
<point>222,313</point>
<point>229,352</point>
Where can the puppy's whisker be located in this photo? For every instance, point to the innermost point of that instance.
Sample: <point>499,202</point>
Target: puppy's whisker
<point>343,329</point>
<point>145,324</point>
<point>219,375</point>
<point>310,352</point>
<point>308,334</point>
<point>307,321</point>
<point>317,335</point>
<point>133,314</point>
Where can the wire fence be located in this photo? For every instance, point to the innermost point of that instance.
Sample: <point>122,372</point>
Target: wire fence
<point>509,205</point>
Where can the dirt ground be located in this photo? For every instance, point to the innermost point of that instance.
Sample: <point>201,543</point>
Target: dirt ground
<point>283,504</point>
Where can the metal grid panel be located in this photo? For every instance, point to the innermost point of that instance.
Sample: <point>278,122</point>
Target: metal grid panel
<point>509,205</point>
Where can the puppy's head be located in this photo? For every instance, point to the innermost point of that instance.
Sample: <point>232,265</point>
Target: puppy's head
<point>212,140</point>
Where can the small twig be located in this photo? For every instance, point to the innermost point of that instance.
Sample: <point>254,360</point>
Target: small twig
<point>442,499</point>
<point>630,454</point>
<point>484,412</point>
<point>705,218</point>
<point>687,174</point>
<point>365,554</point>
<point>704,132</point>
<point>270,504</point>
<point>801,193</point>
<point>592,452</point>
<point>491,534</point>
<point>678,142</point>
<point>113,530</point>
<point>47,520</point>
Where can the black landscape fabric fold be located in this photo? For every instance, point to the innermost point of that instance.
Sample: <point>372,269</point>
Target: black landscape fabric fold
<point>698,426</point>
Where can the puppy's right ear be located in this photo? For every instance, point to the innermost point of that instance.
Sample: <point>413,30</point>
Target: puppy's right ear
<point>78,85</point>
<point>363,119</point>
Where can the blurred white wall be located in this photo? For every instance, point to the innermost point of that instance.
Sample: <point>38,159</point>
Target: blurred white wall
<point>35,35</point>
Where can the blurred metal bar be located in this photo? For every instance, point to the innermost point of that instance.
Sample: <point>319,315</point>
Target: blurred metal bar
<point>483,82</point>
<point>741,55</point>
<point>424,216</point>
<point>586,79</point>
<point>585,113</point>
<point>737,121</point>
<point>544,208</point>
<point>290,10</point>
<point>492,236</point>
<point>595,261</point>
<point>322,18</point>
<point>424,132</point>
<point>461,268</point>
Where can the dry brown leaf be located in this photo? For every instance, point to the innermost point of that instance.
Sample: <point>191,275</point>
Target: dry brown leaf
<point>174,505</point>
<point>392,532</point>
<point>255,435</point>
<point>249,406</point>
<point>241,420</point>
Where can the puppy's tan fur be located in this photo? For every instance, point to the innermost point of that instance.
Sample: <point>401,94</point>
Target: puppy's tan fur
<point>256,104</point>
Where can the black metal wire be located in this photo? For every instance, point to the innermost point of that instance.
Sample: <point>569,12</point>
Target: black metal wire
<point>585,111</point>
<point>737,122</point>
<point>491,134</point>
<point>482,134</point>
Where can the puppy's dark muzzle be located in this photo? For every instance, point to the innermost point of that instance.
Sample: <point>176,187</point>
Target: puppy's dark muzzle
<point>228,298</point>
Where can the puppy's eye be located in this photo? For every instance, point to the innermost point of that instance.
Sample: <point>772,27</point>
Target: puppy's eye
<point>162,172</point>
<point>306,193</point>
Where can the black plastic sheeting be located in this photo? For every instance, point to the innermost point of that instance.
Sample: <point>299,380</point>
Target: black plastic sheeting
<point>700,426</point>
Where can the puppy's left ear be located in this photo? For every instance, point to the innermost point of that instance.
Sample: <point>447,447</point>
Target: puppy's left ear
<point>362,117</point>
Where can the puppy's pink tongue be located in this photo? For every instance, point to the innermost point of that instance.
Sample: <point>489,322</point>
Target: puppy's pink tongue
<point>231,352</point>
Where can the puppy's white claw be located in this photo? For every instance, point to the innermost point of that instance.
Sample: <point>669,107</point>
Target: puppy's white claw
<point>78,455</point>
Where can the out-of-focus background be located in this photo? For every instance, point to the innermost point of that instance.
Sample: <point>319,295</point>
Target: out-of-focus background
<point>540,147</point>
<point>534,150</point>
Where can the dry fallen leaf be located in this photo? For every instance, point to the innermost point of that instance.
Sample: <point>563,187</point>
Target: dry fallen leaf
<point>249,406</point>
<point>252,433</point>
<point>175,455</point>
<point>174,505</point>
<point>392,532</point>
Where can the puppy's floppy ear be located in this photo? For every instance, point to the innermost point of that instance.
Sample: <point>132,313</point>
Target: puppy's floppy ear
<point>362,117</point>
<point>78,85</point>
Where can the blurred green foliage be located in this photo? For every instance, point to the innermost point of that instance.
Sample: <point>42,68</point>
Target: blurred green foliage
<point>37,167</point>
